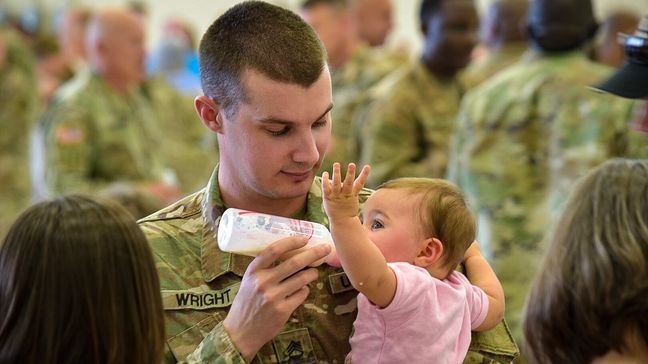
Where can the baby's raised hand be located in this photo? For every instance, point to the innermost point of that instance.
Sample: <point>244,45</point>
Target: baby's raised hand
<point>341,197</point>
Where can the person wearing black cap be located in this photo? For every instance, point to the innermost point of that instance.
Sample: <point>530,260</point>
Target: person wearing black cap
<point>631,79</point>
<point>524,136</point>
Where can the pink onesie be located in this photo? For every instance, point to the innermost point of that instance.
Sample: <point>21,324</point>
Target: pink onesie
<point>428,321</point>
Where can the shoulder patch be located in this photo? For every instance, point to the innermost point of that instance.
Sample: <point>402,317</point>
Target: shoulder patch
<point>68,135</point>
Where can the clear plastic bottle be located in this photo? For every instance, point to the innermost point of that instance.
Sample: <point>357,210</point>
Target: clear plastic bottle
<point>248,233</point>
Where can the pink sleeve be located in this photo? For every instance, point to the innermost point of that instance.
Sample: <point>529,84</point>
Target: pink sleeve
<point>409,280</point>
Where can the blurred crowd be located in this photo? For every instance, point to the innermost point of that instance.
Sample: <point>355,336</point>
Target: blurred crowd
<point>85,108</point>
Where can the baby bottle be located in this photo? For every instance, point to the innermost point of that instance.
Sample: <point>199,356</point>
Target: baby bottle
<point>248,233</point>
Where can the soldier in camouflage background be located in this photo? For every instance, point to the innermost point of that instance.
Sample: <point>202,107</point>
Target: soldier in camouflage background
<point>18,106</point>
<point>355,67</point>
<point>188,147</point>
<point>100,128</point>
<point>527,134</point>
<point>268,98</point>
<point>413,114</point>
<point>503,35</point>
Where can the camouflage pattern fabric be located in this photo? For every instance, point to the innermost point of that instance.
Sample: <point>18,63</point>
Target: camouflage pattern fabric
<point>407,128</point>
<point>189,148</point>
<point>351,85</point>
<point>494,61</point>
<point>18,107</point>
<point>93,136</point>
<point>523,138</point>
<point>199,282</point>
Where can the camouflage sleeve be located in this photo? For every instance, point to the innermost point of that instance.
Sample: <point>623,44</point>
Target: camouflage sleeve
<point>216,348</point>
<point>392,139</point>
<point>68,151</point>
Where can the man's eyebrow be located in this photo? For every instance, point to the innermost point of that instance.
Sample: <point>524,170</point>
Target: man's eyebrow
<point>272,120</point>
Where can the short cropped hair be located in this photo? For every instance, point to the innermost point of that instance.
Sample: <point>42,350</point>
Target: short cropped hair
<point>591,293</point>
<point>78,285</point>
<point>266,38</point>
<point>444,214</point>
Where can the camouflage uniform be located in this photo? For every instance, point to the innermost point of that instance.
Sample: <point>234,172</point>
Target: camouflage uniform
<point>18,106</point>
<point>93,136</point>
<point>408,127</point>
<point>523,138</point>
<point>350,93</point>
<point>199,282</point>
<point>188,147</point>
<point>495,61</point>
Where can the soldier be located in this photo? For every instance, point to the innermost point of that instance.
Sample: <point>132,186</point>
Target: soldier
<point>355,68</point>
<point>18,106</point>
<point>267,96</point>
<point>527,134</point>
<point>100,128</point>
<point>503,35</point>
<point>413,114</point>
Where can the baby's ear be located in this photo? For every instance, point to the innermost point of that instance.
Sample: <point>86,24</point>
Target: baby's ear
<point>431,252</point>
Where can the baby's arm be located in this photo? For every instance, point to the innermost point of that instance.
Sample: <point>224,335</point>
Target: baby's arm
<point>482,275</point>
<point>362,261</point>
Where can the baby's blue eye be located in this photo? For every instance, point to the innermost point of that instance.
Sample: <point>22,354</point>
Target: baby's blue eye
<point>376,224</point>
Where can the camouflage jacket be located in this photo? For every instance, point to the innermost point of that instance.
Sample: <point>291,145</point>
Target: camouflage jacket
<point>186,139</point>
<point>351,85</point>
<point>480,70</point>
<point>523,138</point>
<point>199,282</point>
<point>408,127</point>
<point>93,136</point>
<point>18,108</point>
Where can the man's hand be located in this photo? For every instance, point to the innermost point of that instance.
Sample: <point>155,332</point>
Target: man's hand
<point>270,293</point>
<point>341,198</point>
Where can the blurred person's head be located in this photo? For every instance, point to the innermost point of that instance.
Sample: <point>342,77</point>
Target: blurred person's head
<point>373,19</point>
<point>78,285</point>
<point>450,31</point>
<point>423,221</point>
<point>504,22</point>
<point>607,48</point>
<point>590,298</point>
<point>334,25</point>
<point>560,25</point>
<point>72,34</point>
<point>267,96</point>
<point>115,47</point>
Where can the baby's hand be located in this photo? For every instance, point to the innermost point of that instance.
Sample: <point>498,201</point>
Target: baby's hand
<point>472,251</point>
<point>341,198</point>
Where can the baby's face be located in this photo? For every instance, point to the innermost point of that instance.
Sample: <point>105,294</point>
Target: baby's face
<point>392,221</point>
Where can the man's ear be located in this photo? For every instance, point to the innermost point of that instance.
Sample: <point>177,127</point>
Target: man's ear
<point>210,113</point>
<point>431,252</point>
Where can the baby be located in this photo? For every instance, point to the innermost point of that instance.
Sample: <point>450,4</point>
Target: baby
<point>413,306</point>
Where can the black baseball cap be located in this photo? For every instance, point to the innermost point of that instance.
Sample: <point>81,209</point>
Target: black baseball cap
<point>631,79</point>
